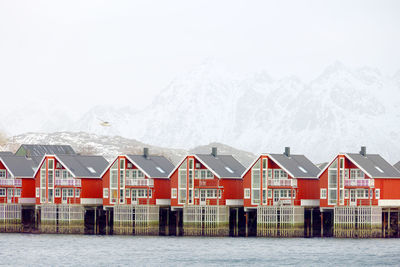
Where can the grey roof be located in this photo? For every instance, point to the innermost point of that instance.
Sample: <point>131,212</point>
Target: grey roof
<point>322,165</point>
<point>41,150</point>
<point>6,153</point>
<point>371,161</point>
<point>299,166</point>
<point>221,165</point>
<point>397,166</point>
<point>149,165</point>
<point>79,165</point>
<point>19,166</point>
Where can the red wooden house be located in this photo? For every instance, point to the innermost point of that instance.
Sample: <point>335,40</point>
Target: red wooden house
<point>281,179</point>
<point>137,180</point>
<point>207,179</point>
<point>207,188</point>
<point>136,190</point>
<point>277,184</point>
<point>69,179</point>
<point>17,192</point>
<point>17,185</point>
<point>352,184</point>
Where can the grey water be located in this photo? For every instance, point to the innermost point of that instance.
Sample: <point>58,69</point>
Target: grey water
<point>81,250</point>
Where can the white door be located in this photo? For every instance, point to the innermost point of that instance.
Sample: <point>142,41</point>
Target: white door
<point>276,196</point>
<point>9,195</point>
<point>353,200</point>
<point>134,196</point>
<point>202,197</point>
<point>64,196</point>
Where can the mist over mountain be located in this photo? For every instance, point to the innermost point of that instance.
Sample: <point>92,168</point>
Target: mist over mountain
<point>338,111</point>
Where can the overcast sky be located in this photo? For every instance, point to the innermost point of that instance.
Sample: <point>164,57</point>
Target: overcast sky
<point>122,52</point>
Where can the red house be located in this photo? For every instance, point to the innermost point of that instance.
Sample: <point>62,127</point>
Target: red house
<point>136,194</point>
<point>279,180</point>
<point>67,185</point>
<point>137,180</point>
<point>353,183</point>
<point>206,180</point>
<point>17,191</point>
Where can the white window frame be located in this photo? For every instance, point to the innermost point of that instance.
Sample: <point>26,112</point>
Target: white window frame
<point>377,193</point>
<point>269,193</point>
<point>127,193</point>
<point>17,192</point>
<point>346,193</point>
<point>323,193</point>
<point>3,174</point>
<point>2,192</point>
<point>174,192</point>
<point>105,192</point>
<point>247,193</point>
<point>37,191</point>
<point>77,192</point>
<point>57,193</point>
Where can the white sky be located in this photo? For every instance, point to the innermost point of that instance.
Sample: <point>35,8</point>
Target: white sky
<point>87,53</point>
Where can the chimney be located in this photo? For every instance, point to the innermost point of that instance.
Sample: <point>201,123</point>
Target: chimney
<point>146,152</point>
<point>214,151</point>
<point>287,151</point>
<point>363,151</point>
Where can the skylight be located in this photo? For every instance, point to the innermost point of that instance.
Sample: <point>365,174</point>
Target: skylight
<point>91,169</point>
<point>302,169</point>
<point>379,169</point>
<point>160,170</point>
<point>228,169</point>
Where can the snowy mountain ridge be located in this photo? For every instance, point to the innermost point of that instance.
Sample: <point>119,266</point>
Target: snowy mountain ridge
<point>338,111</point>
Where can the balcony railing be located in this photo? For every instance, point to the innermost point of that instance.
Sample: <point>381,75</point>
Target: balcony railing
<point>282,182</point>
<point>68,182</point>
<point>140,182</point>
<point>10,182</point>
<point>359,182</point>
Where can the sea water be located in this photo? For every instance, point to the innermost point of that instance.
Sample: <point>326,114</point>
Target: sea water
<point>81,250</point>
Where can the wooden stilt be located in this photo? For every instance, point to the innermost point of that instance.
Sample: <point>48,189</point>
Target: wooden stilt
<point>322,224</point>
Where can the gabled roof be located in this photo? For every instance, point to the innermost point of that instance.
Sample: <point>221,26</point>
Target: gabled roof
<point>223,166</point>
<point>81,166</point>
<point>152,166</point>
<point>19,166</point>
<point>374,165</point>
<point>41,150</point>
<point>397,166</point>
<point>298,166</point>
<point>6,153</point>
<point>371,164</point>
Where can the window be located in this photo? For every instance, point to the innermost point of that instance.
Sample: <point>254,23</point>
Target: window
<point>377,193</point>
<point>269,193</point>
<point>173,192</point>
<point>276,174</point>
<point>228,169</point>
<point>219,193</point>
<point>346,174</point>
<point>37,192</point>
<point>70,192</point>
<point>134,174</point>
<point>2,192</point>
<point>105,192</point>
<point>247,193</point>
<point>140,174</point>
<point>346,194</point>
<point>2,173</point>
<point>150,193</point>
<point>77,192</point>
<point>64,174</point>
<point>128,174</point>
<point>58,192</point>
<point>210,175</point>
<point>127,193</point>
<point>196,193</point>
<point>283,174</point>
<point>91,169</point>
<point>269,173</point>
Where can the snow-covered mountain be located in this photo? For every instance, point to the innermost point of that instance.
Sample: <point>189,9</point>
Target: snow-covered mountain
<point>111,146</point>
<point>340,110</point>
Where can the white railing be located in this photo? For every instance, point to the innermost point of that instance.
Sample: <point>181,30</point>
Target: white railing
<point>139,182</point>
<point>68,182</point>
<point>11,182</point>
<point>359,182</point>
<point>282,182</point>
